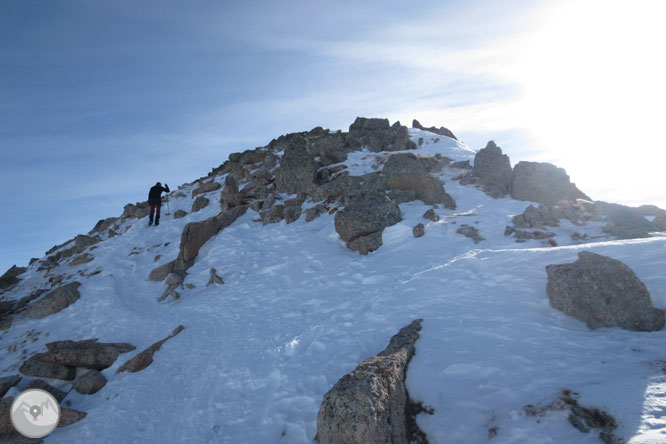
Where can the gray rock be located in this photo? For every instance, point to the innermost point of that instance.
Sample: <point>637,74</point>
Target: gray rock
<point>59,395</point>
<point>206,188</point>
<point>418,230</point>
<point>89,383</point>
<point>659,222</point>
<point>214,278</point>
<point>402,196</point>
<point>431,215</point>
<point>179,214</point>
<point>5,322</point>
<point>70,416</point>
<point>55,301</point>
<point>230,196</point>
<point>602,292</point>
<point>102,225</point>
<point>8,382</point>
<point>87,353</point>
<point>440,131</point>
<point>369,404</point>
<point>624,222</point>
<point>39,369</point>
<point>195,234</point>
<point>145,358</point>
<point>544,183</point>
<point>471,232</point>
<point>367,216</point>
<point>292,213</point>
<point>377,135</point>
<point>170,291</point>
<point>273,215</point>
<point>405,172</point>
<point>366,244</point>
<point>493,170</point>
<point>270,161</point>
<point>461,165</point>
<point>523,235</point>
<point>138,210</point>
<point>81,259</point>
<point>314,212</point>
<point>174,280</point>
<point>160,273</point>
<point>297,170</point>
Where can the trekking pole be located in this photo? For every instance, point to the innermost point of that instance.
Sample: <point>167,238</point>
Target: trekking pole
<point>167,198</point>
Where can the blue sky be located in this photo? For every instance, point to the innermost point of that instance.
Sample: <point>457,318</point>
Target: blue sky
<point>99,100</point>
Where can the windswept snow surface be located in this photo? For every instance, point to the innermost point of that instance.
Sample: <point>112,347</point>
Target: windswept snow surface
<point>298,310</point>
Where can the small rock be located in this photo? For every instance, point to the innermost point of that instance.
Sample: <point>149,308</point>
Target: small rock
<point>214,278</point>
<point>8,382</point>
<point>90,382</point>
<point>179,214</point>
<point>471,232</point>
<point>200,203</point>
<point>145,358</point>
<point>160,273</point>
<point>70,416</point>
<point>418,230</point>
<point>55,301</point>
<point>431,215</point>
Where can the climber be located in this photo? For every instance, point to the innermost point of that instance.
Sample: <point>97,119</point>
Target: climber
<point>155,201</point>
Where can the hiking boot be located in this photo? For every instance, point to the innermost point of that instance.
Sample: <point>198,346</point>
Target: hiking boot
<point>150,220</point>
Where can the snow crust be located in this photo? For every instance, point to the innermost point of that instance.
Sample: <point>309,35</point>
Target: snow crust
<point>298,310</point>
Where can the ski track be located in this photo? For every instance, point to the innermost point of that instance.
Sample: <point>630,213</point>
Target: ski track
<point>298,310</point>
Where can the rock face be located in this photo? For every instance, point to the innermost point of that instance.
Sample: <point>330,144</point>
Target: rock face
<point>544,183</point>
<point>195,234</point>
<point>90,382</point>
<point>493,170</point>
<point>103,224</point>
<point>441,130</point>
<point>297,170</point>
<point>603,292</point>
<point>378,135</point>
<point>145,358</point>
<point>405,172</point>
<point>138,210</point>
<point>624,222</point>
<point>8,382</point>
<point>87,353</point>
<point>366,217</point>
<point>368,405</point>
<point>55,301</point>
<point>9,279</point>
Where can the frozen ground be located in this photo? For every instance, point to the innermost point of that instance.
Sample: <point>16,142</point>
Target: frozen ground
<point>298,310</point>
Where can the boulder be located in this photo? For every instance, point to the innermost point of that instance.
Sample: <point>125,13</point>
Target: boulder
<point>366,244</point>
<point>273,215</point>
<point>59,395</point>
<point>544,183</point>
<point>377,135</point>
<point>160,273</point>
<point>179,214</point>
<point>419,230</point>
<point>8,382</point>
<point>89,382</point>
<point>87,353</point>
<point>55,301</point>
<point>314,212</point>
<point>440,131</point>
<point>230,196</point>
<point>405,172</point>
<point>431,215</point>
<point>145,358</point>
<point>138,210</point>
<point>624,222</point>
<point>471,232</point>
<point>70,416</point>
<point>298,169</point>
<point>369,404</point>
<point>195,234</point>
<point>206,188</point>
<point>199,203</point>
<point>9,279</point>
<point>602,292</point>
<point>214,278</point>
<point>493,170</point>
<point>402,196</point>
<point>659,222</point>
<point>81,259</point>
<point>102,225</point>
<point>292,213</point>
<point>461,165</point>
<point>369,215</point>
<point>39,369</point>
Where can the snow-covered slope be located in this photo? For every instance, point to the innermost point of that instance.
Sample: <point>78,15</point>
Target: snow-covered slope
<point>298,310</point>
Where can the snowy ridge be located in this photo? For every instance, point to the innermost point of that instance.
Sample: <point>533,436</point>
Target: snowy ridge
<point>298,310</point>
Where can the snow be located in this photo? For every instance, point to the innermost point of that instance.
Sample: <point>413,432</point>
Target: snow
<point>298,310</point>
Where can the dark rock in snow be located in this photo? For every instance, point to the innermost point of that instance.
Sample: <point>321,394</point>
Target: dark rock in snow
<point>55,301</point>
<point>160,273</point>
<point>366,244</point>
<point>544,183</point>
<point>602,292</point>
<point>431,215</point>
<point>365,217</point>
<point>81,259</point>
<point>471,232</point>
<point>70,416</point>
<point>292,213</point>
<point>35,367</point>
<point>138,210</point>
<point>418,230</point>
<point>214,278</point>
<point>369,404</point>
<point>145,358</point>
<point>89,382</point>
<point>377,135</point>
<point>493,170</point>
<point>273,215</point>
<point>297,170</point>
<point>87,353</point>
<point>206,188</point>
<point>179,214</point>
<point>440,131</point>
<point>406,173</point>
<point>103,225</point>
<point>8,382</point>
<point>59,395</point>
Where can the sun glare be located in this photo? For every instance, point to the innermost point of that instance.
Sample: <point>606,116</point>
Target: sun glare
<point>592,77</point>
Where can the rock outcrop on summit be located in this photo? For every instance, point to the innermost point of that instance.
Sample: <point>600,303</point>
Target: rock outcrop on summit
<point>441,130</point>
<point>602,292</point>
<point>493,170</point>
<point>544,183</point>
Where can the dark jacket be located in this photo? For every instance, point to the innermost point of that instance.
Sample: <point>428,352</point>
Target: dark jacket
<point>155,194</point>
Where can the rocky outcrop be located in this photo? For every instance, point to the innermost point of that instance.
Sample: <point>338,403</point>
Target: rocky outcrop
<point>292,213</point>
<point>471,232</point>
<point>200,203</point>
<point>195,234</point>
<point>145,358</point>
<point>659,222</point>
<point>8,382</point>
<point>623,222</point>
<point>81,259</point>
<point>55,301</point>
<point>431,215</point>
<point>544,183</point>
<point>35,367</point>
<point>87,353</point>
<point>368,216</point>
<point>493,170</point>
<point>9,279</point>
<point>602,292</point>
<point>160,273</point>
<point>206,188</point>
<point>405,172</point>
<point>89,382</point>
<point>102,225</point>
<point>137,210</point>
<point>369,404</point>
<point>273,215</point>
<point>378,135</point>
<point>297,170</point>
<point>440,131</point>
